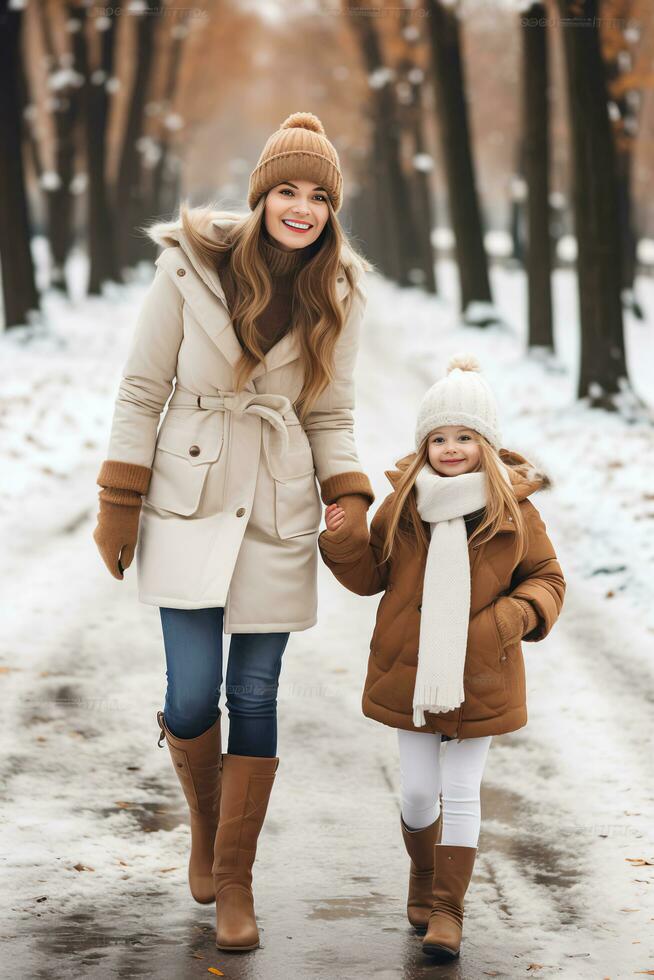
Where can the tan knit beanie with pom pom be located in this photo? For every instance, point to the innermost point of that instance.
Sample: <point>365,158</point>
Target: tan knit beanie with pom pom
<point>463,397</point>
<point>299,148</point>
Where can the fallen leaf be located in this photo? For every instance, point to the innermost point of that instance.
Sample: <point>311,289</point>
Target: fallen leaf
<point>535,966</point>
<point>83,867</point>
<point>167,869</point>
<point>212,969</point>
<point>123,804</point>
<point>124,864</point>
<point>639,862</point>
<point>629,910</point>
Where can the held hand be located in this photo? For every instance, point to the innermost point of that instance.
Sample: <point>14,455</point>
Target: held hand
<point>347,525</point>
<point>334,517</point>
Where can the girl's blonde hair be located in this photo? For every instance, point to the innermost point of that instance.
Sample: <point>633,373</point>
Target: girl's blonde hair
<point>317,314</point>
<point>406,524</point>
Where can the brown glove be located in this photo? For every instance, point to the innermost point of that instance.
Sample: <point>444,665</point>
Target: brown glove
<point>515,618</point>
<point>116,532</point>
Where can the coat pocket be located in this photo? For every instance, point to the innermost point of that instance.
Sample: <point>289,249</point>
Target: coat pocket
<point>182,458</point>
<point>297,506</point>
<point>484,676</point>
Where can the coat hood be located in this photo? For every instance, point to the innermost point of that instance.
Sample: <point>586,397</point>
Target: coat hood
<point>214,224</point>
<point>525,477</point>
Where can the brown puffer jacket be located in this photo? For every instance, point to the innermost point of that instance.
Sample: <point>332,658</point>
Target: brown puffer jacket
<point>494,674</point>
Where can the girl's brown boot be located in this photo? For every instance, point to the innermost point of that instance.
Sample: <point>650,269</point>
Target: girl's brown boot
<point>247,782</point>
<point>452,873</point>
<point>197,764</point>
<point>420,848</point>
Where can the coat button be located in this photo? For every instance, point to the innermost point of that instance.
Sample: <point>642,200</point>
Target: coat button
<point>181,272</point>
<point>240,512</point>
<point>194,451</point>
<point>503,657</point>
<point>510,518</point>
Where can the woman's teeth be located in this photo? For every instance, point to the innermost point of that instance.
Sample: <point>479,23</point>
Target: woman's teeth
<point>296,225</point>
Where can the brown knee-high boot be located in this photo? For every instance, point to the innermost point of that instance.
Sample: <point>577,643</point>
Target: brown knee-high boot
<point>197,764</point>
<point>420,848</point>
<point>452,873</point>
<point>247,782</point>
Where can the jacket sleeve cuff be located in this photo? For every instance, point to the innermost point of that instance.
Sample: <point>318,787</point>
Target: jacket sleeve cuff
<point>346,483</point>
<point>126,498</point>
<point>124,476</point>
<point>529,615</point>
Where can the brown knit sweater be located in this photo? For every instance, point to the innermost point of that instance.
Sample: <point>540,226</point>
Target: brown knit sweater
<point>275,321</point>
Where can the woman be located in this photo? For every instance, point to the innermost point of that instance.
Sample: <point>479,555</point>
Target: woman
<point>257,320</point>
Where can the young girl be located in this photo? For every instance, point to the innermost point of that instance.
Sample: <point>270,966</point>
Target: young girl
<point>467,571</point>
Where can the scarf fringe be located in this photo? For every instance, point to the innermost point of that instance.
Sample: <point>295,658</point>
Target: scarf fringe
<point>435,698</point>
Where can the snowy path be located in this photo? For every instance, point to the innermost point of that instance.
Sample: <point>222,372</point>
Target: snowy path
<point>566,800</point>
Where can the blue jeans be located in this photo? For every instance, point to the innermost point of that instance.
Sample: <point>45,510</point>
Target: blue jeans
<point>193,641</point>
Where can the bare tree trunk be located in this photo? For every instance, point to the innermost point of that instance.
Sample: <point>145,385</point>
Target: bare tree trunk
<point>95,105</point>
<point>366,224</point>
<point>537,161</point>
<point>625,133</point>
<point>163,173</point>
<point>422,164</point>
<point>457,153</point>
<point>59,197</point>
<point>603,369</point>
<point>392,188</point>
<point>18,287</point>
<point>130,207</point>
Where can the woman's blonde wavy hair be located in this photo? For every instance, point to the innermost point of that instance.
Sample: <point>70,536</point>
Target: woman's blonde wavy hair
<point>406,524</point>
<point>317,314</point>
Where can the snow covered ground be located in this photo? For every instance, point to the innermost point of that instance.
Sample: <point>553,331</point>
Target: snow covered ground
<point>94,830</point>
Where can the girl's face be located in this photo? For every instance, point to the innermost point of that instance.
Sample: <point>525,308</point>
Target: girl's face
<point>453,450</point>
<point>301,202</point>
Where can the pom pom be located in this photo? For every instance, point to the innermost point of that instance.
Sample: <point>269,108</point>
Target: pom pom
<point>464,362</point>
<point>303,120</point>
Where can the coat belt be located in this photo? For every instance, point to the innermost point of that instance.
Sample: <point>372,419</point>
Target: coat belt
<point>270,408</point>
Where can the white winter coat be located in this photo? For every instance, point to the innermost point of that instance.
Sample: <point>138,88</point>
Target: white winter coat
<point>232,513</point>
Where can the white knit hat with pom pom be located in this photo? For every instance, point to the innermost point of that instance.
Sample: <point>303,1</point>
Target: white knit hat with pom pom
<point>299,148</point>
<point>462,397</point>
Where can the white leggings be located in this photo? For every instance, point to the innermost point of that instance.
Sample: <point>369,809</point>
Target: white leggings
<point>424,774</point>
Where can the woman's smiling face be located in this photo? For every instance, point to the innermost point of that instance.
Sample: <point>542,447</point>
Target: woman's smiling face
<point>453,449</point>
<point>298,201</point>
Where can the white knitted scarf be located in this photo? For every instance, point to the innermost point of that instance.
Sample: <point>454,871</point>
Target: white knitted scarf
<point>442,501</point>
